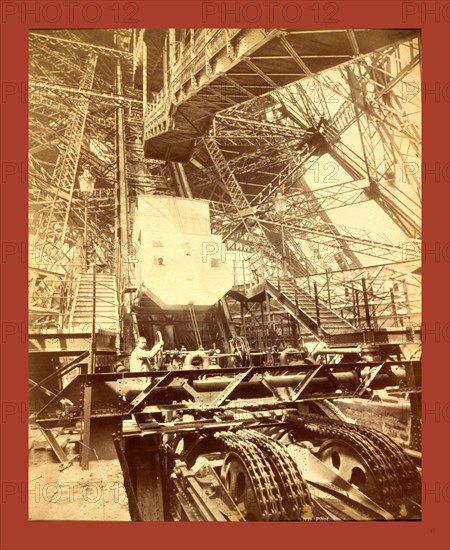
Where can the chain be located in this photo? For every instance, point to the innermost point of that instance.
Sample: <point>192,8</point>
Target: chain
<point>408,474</point>
<point>261,474</point>
<point>279,486</point>
<point>297,501</point>
<point>392,469</point>
<point>280,489</point>
<point>402,463</point>
<point>388,484</point>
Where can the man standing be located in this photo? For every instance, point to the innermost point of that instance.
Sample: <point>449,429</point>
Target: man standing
<point>140,355</point>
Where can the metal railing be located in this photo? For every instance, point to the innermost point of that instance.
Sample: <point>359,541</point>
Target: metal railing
<point>53,285</point>
<point>373,297</point>
<point>384,296</point>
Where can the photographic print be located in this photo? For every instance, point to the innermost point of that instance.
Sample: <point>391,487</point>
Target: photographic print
<point>225,274</point>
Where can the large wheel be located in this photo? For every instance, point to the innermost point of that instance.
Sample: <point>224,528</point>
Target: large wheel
<point>238,482</point>
<point>241,350</point>
<point>350,465</point>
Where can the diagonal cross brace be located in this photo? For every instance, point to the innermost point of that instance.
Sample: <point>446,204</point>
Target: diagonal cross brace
<point>374,372</point>
<point>305,382</point>
<point>241,377</point>
<point>148,390</point>
<point>56,448</point>
<point>266,382</point>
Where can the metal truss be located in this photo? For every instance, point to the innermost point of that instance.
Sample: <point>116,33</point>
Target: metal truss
<point>66,166</point>
<point>264,129</point>
<point>261,203</point>
<point>310,203</point>
<point>253,229</point>
<point>207,70</point>
<point>385,104</point>
<point>295,108</point>
<point>352,240</point>
<point>238,231</point>
<point>83,93</point>
<point>387,91</point>
<point>72,106</point>
<point>76,46</point>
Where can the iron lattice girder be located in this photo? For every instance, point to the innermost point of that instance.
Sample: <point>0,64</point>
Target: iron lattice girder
<point>54,141</point>
<point>48,135</point>
<point>48,101</point>
<point>81,93</point>
<point>223,135</point>
<point>40,182</point>
<point>38,39</point>
<point>104,198</point>
<point>300,109</point>
<point>314,231</point>
<point>344,119</point>
<point>242,205</point>
<point>290,239</point>
<point>64,88</point>
<point>297,167</point>
<point>388,120</point>
<point>372,102</point>
<point>214,57</point>
<point>267,161</point>
<point>258,157</point>
<point>57,58</point>
<point>255,128</point>
<point>292,249</point>
<point>295,162</point>
<point>70,103</point>
<point>278,172</point>
<point>383,126</point>
<point>304,203</point>
<point>377,74</point>
<point>266,244</point>
<point>43,194</point>
<point>230,183</point>
<point>248,165</point>
<point>366,243</point>
<point>391,192</point>
<point>346,116</point>
<point>308,202</point>
<point>65,170</point>
<point>55,66</point>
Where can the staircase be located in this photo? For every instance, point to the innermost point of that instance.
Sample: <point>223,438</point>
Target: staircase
<point>302,307</point>
<point>106,303</point>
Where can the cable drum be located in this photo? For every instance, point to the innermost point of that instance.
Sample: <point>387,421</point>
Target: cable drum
<point>241,350</point>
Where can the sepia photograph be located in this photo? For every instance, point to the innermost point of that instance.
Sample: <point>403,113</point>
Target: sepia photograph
<point>224,274</point>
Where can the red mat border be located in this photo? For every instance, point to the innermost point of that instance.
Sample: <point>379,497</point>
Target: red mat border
<point>17,533</point>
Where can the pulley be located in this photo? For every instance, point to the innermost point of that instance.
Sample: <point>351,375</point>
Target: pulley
<point>241,351</point>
